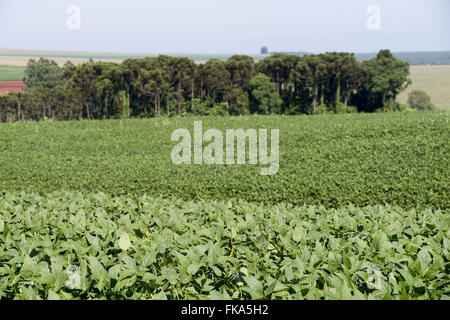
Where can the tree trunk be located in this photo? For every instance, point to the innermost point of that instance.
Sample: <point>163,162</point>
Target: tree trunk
<point>278,83</point>
<point>19,110</point>
<point>316,92</point>
<point>338,91</point>
<point>87,111</point>
<point>159,105</point>
<point>128,103</point>
<point>322,97</point>
<point>347,93</point>
<point>168,108</point>
<point>202,93</point>
<point>179,98</point>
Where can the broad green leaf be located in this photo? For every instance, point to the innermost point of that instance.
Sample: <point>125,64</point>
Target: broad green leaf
<point>124,242</point>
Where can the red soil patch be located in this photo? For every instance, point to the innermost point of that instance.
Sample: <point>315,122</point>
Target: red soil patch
<point>12,86</point>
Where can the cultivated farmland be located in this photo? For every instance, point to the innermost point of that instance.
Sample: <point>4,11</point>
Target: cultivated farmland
<point>96,209</point>
<point>414,58</point>
<point>435,80</point>
<point>361,159</point>
<point>11,73</point>
<point>93,246</point>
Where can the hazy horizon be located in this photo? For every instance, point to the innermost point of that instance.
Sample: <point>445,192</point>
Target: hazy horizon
<point>204,27</point>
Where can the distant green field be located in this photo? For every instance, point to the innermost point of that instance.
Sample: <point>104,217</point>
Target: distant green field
<point>435,80</point>
<point>415,58</point>
<point>110,55</point>
<point>67,54</point>
<point>11,73</point>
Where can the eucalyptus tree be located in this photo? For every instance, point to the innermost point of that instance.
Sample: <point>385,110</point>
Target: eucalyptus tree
<point>15,101</point>
<point>182,72</point>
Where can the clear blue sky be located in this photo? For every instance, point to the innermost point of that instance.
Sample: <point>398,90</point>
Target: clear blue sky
<point>231,26</point>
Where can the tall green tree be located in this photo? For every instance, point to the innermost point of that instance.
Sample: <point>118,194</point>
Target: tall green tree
<point>241,69</point>
<point>43,71</point>
<point>275,68</point>
<point>182,72</point>
<point>214,79</point>
<point>264,98</point>
<point>153,82</point>
<point>309,74</point>
<point>388,77</point>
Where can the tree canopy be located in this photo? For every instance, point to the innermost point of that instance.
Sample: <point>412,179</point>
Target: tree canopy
<point>165,85</point>
<point>420,100</point>
<point>388,77</point>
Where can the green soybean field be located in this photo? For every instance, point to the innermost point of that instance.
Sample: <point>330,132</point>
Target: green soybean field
<point>97,210</point>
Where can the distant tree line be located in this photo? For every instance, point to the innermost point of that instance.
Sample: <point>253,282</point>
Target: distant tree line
<point>415,58</point>
<point>168,86</point>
